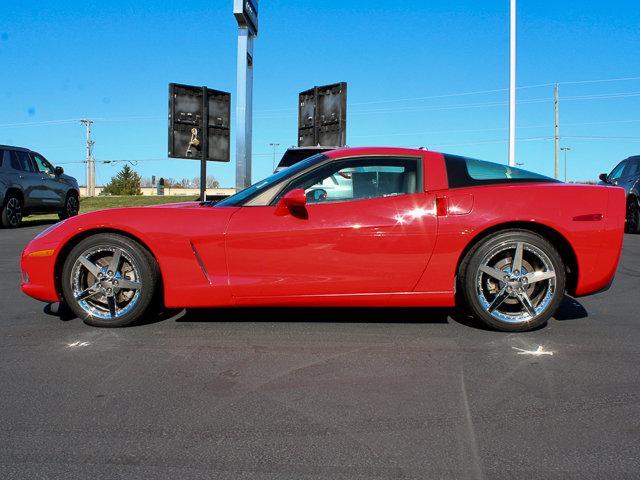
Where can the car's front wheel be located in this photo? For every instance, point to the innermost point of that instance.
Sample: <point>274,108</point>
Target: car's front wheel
<point>71,206</point>
<point>11,214</point>
<point>109,280</point>
<point>513,280</point>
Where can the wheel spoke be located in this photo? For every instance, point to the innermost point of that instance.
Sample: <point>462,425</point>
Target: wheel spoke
<point>89,292</point>
<point>126,284</point>
<point>500,297</point>
<point>111,301</point>
<point>526,303</point>
<point>115,260</point>
<point>92,267</point>
<point>493,272</point>
<point>517,258</point>
<point>534,277</point>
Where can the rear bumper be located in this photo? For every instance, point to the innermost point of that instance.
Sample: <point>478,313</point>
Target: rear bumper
<point>598,260</point>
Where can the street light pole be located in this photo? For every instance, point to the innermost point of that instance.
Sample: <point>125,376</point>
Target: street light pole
<point>512,86</point>
<point>565,150</point>
<point>274,145</point>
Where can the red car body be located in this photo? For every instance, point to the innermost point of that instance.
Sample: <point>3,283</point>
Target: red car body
<point>391,251</point>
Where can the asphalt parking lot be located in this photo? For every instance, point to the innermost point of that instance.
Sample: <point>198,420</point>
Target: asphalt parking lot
<point>302,394</point>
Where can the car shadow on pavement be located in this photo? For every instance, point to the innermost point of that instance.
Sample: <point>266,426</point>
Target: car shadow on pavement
<point>319,314</point>
<point>37,223</point>
<point>570,309</point>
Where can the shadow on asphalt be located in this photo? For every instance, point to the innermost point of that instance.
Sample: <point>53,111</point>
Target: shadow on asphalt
<point>37,223</point>
<point>570,309</point>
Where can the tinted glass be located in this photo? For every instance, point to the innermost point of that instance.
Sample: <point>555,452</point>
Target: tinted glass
<point>257,188</point>
<point>2,153</point>
<point>20,161</point>
<point>42,165</point>
<point>359,179</point>
<point>467,172</point>
<point>617,172</point>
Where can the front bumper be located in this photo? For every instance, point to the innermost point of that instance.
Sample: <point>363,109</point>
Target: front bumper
<point>37,267</point>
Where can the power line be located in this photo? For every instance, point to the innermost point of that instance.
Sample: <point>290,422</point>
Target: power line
<point>429,97</point>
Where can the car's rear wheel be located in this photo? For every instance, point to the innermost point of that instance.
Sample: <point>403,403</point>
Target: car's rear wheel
<point>11,211</point>
<point>71,206</point>
<point>109,280</point>
<point>513,280</point>
<point>633,216</point>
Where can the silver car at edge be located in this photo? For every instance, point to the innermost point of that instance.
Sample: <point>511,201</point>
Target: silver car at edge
<point>29,184</point>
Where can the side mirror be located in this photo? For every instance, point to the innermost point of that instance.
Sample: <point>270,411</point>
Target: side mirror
<point>58,171</point>
<point>293,203</point>
<point>295,198</point>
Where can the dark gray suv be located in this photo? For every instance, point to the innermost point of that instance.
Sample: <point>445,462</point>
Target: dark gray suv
<point>627,175</point>
<point>30,184</point>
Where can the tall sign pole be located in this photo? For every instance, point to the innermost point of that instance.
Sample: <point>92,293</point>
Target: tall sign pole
<point>512,87</point>
<point>557,135</point>
<point>246,13</point>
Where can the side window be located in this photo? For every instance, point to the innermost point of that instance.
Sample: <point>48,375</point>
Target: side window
<point>42,165</point>
<point>2,154</point>
<point>632,168</point>
<point>617,172</point>
<point>359,179</point>
<point>20,161</point>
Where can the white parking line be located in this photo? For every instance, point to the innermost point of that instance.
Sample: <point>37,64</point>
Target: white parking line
<point>78,344</point>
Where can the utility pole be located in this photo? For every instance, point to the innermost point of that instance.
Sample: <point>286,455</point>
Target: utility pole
<point>90,165</point>
<point>274,145</point>
<point>565,150</point>
<point>555,174</point>
<point>512,86</point>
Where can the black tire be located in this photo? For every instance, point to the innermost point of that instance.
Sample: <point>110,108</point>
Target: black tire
<point>633,216</point>
<point>12,209</point>
<point>545,295</point>
<point>147,273</point>
<point>71,206</point>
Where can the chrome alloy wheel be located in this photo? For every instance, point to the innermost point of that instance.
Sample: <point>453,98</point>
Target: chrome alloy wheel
<point>13,210</point>
<point>516,282</point>
<point>105,282</point>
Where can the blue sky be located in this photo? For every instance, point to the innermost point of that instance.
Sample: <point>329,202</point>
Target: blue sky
<point>112,62</point>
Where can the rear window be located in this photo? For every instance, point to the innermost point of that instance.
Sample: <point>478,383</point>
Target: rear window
<point>468,172</point>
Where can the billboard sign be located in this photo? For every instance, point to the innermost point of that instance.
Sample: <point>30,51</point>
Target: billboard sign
<point>196,112</point>
<point>246,13</point>
<point>322,116</point>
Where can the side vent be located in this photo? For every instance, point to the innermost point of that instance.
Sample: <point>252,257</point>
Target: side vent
<point>201,263</point>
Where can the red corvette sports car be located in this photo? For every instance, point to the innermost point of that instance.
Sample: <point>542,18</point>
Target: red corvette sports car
<point>349,227</point>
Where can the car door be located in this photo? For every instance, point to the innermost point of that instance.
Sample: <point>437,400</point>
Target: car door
<point>23,174</point>
<point>53,189</point>
<point>376,239</point>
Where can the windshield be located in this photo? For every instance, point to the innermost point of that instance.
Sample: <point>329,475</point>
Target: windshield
<point>244,195</point>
